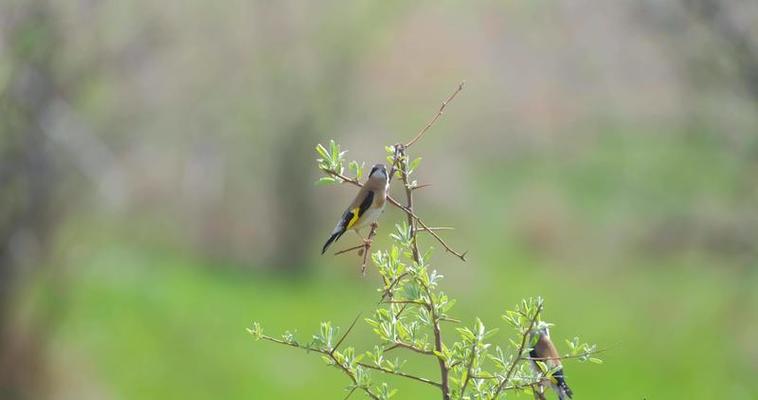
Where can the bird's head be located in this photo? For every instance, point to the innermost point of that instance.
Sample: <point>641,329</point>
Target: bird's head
<point>378,171</point>
<point>541,328</point>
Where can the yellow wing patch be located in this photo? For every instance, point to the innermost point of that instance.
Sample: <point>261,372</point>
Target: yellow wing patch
<point>353,220</point>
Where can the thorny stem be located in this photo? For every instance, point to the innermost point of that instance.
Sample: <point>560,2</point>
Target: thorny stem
<point>347,332</point>
<point>444,371</point>
<point>436,116</point>
<point>363,249</point>
<point>401,160</point>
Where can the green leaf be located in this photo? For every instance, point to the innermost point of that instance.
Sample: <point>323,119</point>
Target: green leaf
<point>335,149</point>
<point>256,331</point>
<point>595,360</point>
<point>356,169</point>
<point>321,150</point>
<point>466,334</point>
<point>326,180</point>
<point>414,165</point>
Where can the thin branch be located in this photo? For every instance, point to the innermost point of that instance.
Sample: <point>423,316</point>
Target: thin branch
<point>369,241</point>
<point>347,332</point>
<point>398,373</point>
<point>449,249</point>
<point>351,392</point>
<point>468,369</point>
<point>363,249</point>
<point>388,292</point>
<point>403,345</point>
<point>401,159</point>
<point>519,354</point>
<point>417,187</point>
<point>444,371</point>
<point>329,354</point>
<point>415,302</point>
<point>395,160</point>
<point>436,116</point>
<point>436,228</point>
<point>360,246</point>
<point>566,357</point>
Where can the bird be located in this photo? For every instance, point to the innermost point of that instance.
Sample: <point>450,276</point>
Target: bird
<point>367,206</point>
<point>544,357</point>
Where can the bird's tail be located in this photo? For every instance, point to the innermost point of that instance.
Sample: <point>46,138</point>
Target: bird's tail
<point>336,235</point>
<point>564,392</point>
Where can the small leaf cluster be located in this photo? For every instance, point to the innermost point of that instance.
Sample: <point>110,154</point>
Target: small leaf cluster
<point>411,309</point>
<point>332,161</point>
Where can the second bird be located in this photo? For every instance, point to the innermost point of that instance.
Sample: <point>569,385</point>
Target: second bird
<point>545,353</point>
<point>367,206</point>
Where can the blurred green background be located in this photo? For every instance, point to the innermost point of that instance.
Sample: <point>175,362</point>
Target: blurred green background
<point>157,196</point>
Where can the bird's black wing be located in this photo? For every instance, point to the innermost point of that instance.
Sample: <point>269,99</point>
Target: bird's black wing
<point>352,216</point>
<point>349,218</point>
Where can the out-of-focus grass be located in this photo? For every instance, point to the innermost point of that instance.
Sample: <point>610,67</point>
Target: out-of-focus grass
<point>144,320</point>
<point>150,324</point>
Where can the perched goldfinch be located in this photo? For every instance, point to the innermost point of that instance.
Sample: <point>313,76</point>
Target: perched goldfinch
<point>367,206</point>
<point>545,353</point>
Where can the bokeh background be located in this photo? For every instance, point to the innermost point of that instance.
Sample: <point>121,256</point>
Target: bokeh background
<point>157,196</point>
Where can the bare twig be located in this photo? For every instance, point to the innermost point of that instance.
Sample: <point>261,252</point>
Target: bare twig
<point>436,228</point>
<point>436,116</point>
<point>398,373</point>
<point>402,345</point>
<point>363,249</point>
<point>401,160</point>
<point>369,241</point>
<point>358,247</point>
<point>425,227</point>
<point>347,332</point>
<point>351,392</point>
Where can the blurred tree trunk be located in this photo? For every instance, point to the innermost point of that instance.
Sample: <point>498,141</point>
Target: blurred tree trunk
<point>307,99</point>
<point>27,183</point>
<point>740,43</point>
<point>293,190</point>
